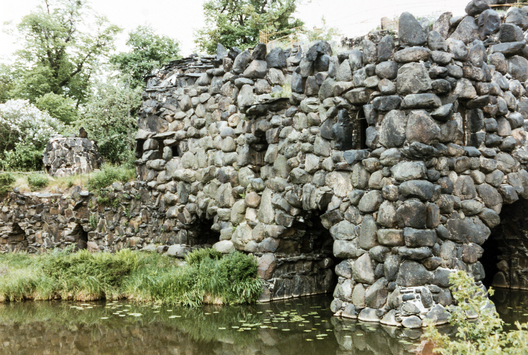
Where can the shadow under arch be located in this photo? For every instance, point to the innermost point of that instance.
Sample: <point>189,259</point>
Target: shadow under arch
<point>505,255</point>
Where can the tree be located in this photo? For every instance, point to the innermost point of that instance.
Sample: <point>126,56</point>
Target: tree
<point>148,51</point>
<point>24,133</point>
<point>237,23</point>
<point>63,46</point>
<point>109,119</point>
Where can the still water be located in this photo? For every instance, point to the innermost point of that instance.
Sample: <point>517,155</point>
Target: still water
<point>301,326</point>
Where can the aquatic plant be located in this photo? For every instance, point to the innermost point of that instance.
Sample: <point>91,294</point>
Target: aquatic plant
<point>207,277</point>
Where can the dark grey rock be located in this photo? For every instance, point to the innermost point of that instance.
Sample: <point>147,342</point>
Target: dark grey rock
<point>442,24</point>
<point>467,30</point>
<point>412,213</point>
<point>436,42</point>
<point>257,69</point>
<point>420,127</point>
<point>421,101</point>
<point>385,48</point>
<point>419,237</point>
<point>412,273</point>
<point>488,23</point>
<point>259,52</point>
<point>386,103</point>
<point>510,33</point>
<point>412,54</point>
<point>417,188</point>
<point>387,70</point>
<point>475,7</point>
<point>412,79</point>
<point>508,48</point>
<point>241,62</point>
<point>318,49</point>
<point>458,48</point>
<point>477,54</point>
<point>221,52</point>
<point>392,131</point>
<point>410,30</point>
<point>276,58</point>
<point>518,17</point>
<point>443,113</point>
<point>355,59</point>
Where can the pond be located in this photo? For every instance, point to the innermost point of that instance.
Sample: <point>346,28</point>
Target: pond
<point>296,326</point>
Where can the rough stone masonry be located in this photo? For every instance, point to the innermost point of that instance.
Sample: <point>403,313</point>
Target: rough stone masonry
<point>392,160</point>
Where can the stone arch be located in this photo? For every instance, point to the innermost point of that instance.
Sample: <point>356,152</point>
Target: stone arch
<point>505,253</point>
<point>15,239</point>
<point>77,236</point>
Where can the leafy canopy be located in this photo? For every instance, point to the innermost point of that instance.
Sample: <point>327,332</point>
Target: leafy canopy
<point>148,51</point>
<point>109,118</point>
<point>237,23</point>
<point>24,132</point>
<point>63,44</point>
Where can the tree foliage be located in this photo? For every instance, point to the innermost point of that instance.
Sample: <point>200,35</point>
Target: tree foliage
<point>148,51</point>
<point>483,336</point>
<point>24,132</point>
<point>237,23</point>
<point>63,43</point>
<point>108,117</point>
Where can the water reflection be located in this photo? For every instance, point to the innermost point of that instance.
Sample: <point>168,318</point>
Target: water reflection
<point>291,327</point>
<point>512,306</point>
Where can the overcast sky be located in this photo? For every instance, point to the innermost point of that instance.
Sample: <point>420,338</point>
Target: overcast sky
<point>179,18</point>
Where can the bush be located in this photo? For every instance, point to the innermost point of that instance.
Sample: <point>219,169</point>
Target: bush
<point>483,336</point>
<point>24,133</point>
<point>6,183</point>
<point>37,181</point>
<point>148,277</point>
<point>108,175</point>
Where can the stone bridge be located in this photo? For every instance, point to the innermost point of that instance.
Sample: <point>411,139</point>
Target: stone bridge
<point>391,164</point>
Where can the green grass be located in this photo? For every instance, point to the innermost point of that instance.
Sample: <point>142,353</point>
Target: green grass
<point>6,183</point>
<point>38,181</point>
<point>207,277</point>
<point>108,175</point>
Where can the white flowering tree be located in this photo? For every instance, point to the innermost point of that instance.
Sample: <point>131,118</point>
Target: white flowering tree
<point>24,132</point>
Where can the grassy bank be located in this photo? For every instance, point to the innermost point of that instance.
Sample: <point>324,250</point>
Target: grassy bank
<point>38,181</point>
<point>206,277</point>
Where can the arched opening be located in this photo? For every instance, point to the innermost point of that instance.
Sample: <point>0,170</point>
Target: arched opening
<point>77,236</point>
<point>202,233</point>
<point>505,257</point>
<point>304,259</point>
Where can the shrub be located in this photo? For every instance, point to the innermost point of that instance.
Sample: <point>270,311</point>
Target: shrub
<point>483,336</point>
<point>197,256</point>
<point>6,183</point>
<point>147,277</point>
<point>24,132</point>
<point>108,175</point>
<point>37,181</point>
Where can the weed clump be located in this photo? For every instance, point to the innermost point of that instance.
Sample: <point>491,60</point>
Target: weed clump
<point>207,277</point>
<point>108,175</point>
<point>37,181</point>
<point>6,183</point>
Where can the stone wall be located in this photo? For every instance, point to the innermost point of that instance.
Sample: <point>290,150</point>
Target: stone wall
<point>66,156</point>
<point>405,147</point>
<point>396,155</point>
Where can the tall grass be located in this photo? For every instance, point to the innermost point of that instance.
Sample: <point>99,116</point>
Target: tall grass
<point>206,277</point>
<point>108,175</point>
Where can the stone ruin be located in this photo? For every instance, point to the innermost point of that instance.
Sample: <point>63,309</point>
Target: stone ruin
<point>66,156</point>
<point>392,164</point>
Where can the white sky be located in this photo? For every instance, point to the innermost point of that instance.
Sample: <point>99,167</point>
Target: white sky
<point>179,18</point>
